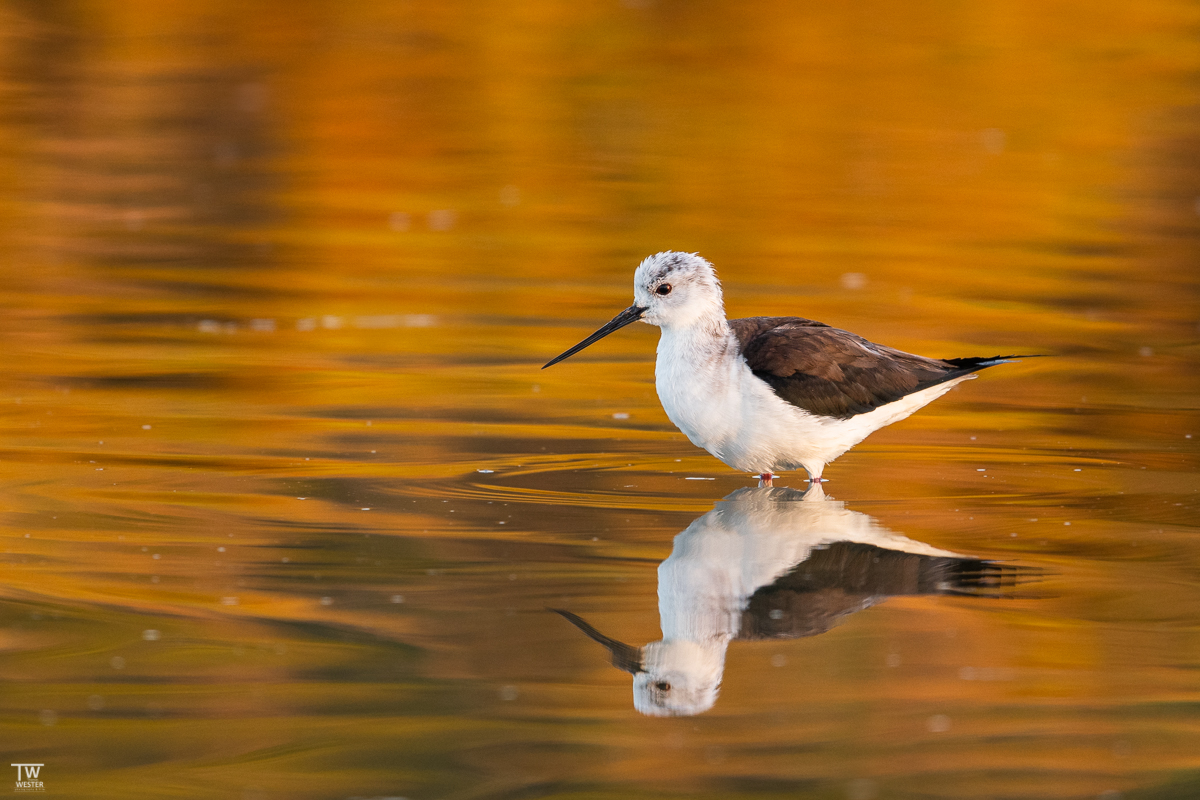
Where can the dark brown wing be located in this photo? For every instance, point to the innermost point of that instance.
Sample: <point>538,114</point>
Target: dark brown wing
<point>835,373</point>
<point>845,577</point>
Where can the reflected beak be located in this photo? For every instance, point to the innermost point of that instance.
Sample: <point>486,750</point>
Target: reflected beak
<point>631,314</point>
<point>624,656</point>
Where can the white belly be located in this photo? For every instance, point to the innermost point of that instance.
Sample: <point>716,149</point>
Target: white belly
<point>711,395</point>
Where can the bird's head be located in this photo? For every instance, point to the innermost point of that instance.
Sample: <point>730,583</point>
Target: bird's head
<point>676,289</point>
<point>676,678</point>
<point>671,290</point>
<point>679,678</point>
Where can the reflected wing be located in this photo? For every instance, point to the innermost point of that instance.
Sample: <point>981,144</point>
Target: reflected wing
<point>845,577</point>
<point>835,373</point>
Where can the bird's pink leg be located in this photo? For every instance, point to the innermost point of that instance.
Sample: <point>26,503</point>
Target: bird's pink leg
<point>817,479</point>
<point>764,480</point>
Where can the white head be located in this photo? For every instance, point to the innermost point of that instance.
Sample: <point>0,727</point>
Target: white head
<point>679,678</point>
<point>671,290</point>
<point>674,678</point>
<point>677,289</point>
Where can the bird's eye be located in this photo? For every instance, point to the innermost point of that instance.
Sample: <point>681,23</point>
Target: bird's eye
<point>663,289</point>
<point>663,686</point>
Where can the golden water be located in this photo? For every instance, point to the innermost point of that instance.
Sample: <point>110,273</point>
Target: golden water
<point>286,495</point>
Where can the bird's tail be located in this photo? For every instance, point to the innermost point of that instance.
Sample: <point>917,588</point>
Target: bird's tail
<point>979,362</point>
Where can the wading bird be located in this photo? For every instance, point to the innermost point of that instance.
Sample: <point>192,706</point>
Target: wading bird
<point>767,394</point>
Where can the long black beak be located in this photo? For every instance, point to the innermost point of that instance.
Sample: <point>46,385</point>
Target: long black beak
<point>624,656</point>
<point>631,314</point>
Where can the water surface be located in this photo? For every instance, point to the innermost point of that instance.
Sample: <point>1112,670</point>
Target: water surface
<point>287,498</point>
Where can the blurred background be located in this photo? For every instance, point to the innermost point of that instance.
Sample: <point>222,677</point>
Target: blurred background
<point>286,495</point>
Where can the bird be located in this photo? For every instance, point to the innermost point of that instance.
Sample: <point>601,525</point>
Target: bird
<point>775,563</point>
<point>770,394</point>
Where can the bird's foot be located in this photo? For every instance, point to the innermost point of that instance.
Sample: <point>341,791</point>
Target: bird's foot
<point>764,480</point>
<point>818,479</point>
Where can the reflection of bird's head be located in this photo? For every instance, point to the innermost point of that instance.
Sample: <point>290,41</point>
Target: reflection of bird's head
<point>679,679</point>
<point>676,678</point>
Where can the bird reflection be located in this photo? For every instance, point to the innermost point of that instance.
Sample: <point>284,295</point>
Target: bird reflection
<point>775,563</point>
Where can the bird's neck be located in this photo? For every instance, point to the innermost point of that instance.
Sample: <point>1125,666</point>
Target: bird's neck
<point>702,661</point>
<point>699,338</point>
